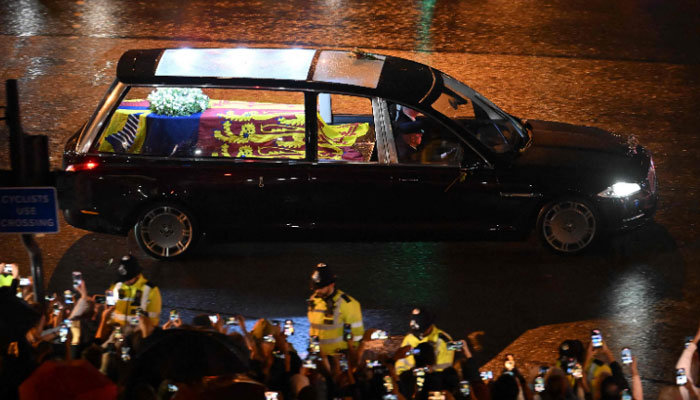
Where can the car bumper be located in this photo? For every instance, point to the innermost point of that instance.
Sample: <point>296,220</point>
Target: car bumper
<point>89,220</point>
<point>629,212</point>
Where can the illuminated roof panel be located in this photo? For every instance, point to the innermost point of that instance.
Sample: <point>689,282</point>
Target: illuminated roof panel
<point>290,64</point>
<point>344,67</point>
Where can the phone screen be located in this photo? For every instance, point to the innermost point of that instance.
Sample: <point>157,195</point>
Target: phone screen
<point>288,327</point>
<point>688,340</point>
<point>464,388</point>
<point>486,375</point>
<point>77,278</point>
<point>213,318</point>
<point>510,362</point>
<point>379,335</point>
<point>314,345</point>
<point>68,297</point>
<point>681,378</point>
<point>109,298</point>
<point>272,396</point>
<point>63,333</point>
<point>626,356</point>
<point>7,269</point>
<point>539,384</point>
<point>100,299</point>
<point>454,346</point>
<point>597,338</point>
<point>24,282</point>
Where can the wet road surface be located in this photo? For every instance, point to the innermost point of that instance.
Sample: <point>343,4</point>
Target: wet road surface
<point>628,67</point>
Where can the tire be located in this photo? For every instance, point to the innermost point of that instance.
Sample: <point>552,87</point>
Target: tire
<point>568,225</point>
<point>166,231</point>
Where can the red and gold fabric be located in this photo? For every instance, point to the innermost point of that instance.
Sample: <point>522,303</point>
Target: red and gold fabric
<point>243,129</point>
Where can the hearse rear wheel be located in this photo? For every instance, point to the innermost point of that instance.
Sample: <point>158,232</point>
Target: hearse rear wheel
<point>166,231</point>
<point>568,225</point>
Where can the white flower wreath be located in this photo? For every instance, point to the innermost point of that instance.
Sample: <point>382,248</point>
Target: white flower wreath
<point>174,101</point>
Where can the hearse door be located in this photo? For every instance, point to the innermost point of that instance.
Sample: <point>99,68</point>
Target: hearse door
<point>437,188</point>
<point>350,185</point>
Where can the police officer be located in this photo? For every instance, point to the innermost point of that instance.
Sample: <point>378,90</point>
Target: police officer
<point>330,311</point>
<point>424,330</point>
<point>132,292</point>
<point>9,275</point>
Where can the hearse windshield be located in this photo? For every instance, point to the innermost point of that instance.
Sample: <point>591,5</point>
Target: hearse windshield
<point>495,128</point>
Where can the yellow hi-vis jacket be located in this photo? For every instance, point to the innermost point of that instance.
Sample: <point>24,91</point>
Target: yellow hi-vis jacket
<point>6,280</point>
<point>327,323</point>
<point>439,339</point>
<point>141,294</point>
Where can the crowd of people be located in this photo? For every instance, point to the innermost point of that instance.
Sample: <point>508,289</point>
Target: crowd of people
<point>120,335</point>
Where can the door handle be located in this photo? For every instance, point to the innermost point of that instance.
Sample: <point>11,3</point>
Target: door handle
<point>260,182</point>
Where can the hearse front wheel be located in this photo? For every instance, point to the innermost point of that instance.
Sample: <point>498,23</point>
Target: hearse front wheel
<point>568,225</point>
<point>165,231</point>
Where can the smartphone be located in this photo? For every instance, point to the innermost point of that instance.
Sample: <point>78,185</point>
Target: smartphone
<point>109,298</point>
<point>436,396</point>
<point>570,364</point>
<point>681,378</point>
<point>77,278</point>
<point>309,363</point>
<point>19,292</point>
<point>24,282</point>
<point>68,296</point>
<point>390,396</point>
<point>626,395</point>
<point>214,319</point>
<point>374,364</point>
<point>626,355</point>
<point>63,333</point>
<point>174,315</point>
<point>596,338</point>
<point>454,346</point>
<point>510,362</point>
<point>288,327</point>
<point>464,388</point>
<point>577,371</point>
<point>416,371</point>
<point>343,362</point>
<point>347,332</point>
<point>379,335</point>
<point>272,395</point>
<point>231,321</point>
<point>56,309</point>
<point>486,375</point>
<point>49,298</point>
<point>134,319</point>
<point>7,269</point>
<point>539,384</point>
<point>269,339</point>
<point>388,384</point>
<point>100,299</point>
<point>314,345</point>
<point>543,369</point>
<point>125,353</point>
<point>172,388</point>
<point>688,340</point>
<point>118,333</point>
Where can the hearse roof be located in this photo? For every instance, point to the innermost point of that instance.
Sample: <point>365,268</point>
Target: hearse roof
<point>359,72</point>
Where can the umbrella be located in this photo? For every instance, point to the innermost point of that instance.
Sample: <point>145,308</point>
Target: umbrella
<point>67,380</point>
<point>183,355</point>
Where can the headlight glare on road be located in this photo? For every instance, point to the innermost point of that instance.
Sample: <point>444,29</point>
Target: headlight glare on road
<point>620,189</point>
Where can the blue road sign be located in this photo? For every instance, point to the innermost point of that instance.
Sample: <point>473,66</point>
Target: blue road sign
<point>28,210</point>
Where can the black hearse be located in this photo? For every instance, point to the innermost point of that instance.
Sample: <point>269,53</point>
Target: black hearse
<point>260,143</point>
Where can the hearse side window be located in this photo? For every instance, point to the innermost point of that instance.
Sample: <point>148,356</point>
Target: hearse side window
<point>345,129</point>
<point>420,139</point>
<point>211,123</point>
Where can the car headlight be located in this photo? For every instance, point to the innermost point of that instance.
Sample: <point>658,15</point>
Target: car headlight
<point>620,189</point>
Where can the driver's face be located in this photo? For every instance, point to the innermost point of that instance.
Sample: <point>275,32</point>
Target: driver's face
<point>413,139</point>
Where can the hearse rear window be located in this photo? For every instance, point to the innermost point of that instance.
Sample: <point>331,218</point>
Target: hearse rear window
<point>188,122</point>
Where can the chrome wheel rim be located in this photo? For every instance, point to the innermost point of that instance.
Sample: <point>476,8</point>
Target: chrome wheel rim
<point>569,226</point>
<point>165,231</point>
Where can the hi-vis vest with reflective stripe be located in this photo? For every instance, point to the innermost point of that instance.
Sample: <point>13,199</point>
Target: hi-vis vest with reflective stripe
<point>139,295</point>
<point>439,339</point>
<point>329,326</point>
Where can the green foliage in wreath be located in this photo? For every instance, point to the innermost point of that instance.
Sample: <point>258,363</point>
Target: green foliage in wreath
<point>178,101</point>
